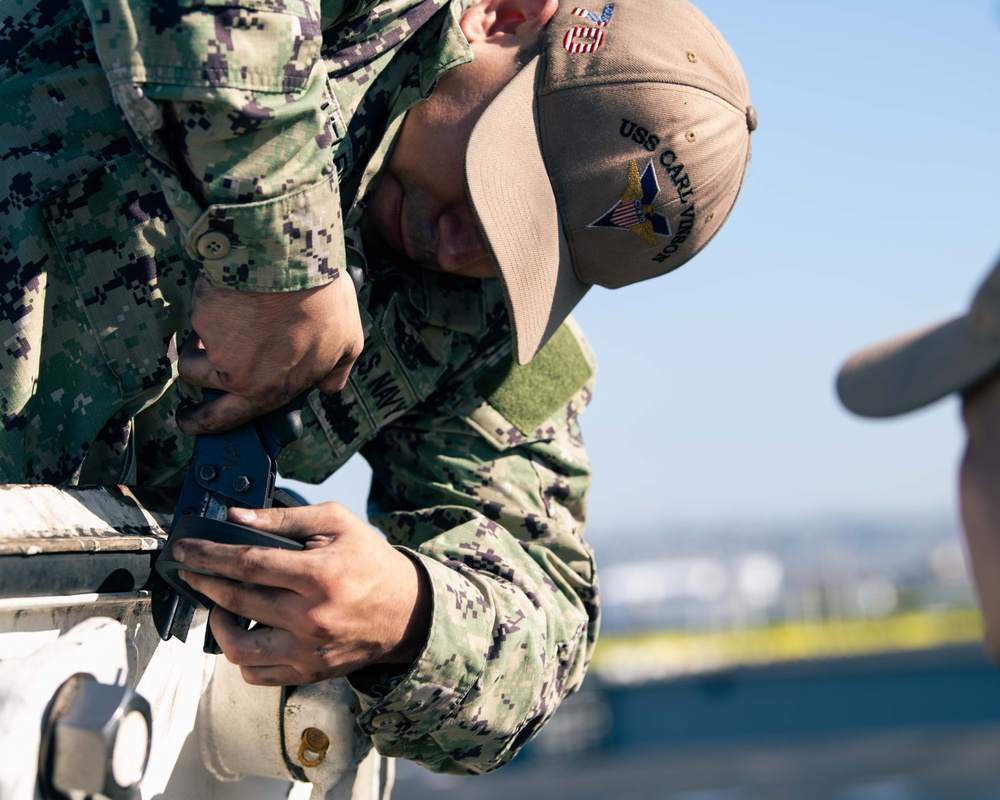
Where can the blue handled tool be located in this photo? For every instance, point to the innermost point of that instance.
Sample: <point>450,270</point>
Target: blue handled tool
<point>235,468</point>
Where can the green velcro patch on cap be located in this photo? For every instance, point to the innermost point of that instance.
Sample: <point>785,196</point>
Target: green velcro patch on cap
<point>530,394</point>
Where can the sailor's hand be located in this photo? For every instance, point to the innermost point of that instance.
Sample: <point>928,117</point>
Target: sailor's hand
<point>348,601</point>
<point>264,348</point>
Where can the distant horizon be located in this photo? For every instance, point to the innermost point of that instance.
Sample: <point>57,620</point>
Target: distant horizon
<point>810,523</point>
<point>350,487</point>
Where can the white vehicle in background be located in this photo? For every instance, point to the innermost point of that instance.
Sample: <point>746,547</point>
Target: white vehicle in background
<point>93,703</point>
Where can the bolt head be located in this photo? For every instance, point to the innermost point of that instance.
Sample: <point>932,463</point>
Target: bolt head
<point>100,740</point>
<point>207,472</point>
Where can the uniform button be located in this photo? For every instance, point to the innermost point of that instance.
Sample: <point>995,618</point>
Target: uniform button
<point>213,245</point>
<point>387,721</point>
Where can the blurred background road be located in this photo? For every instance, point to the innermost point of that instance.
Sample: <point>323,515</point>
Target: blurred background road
<point>919,764</point>
<point>914,726</point>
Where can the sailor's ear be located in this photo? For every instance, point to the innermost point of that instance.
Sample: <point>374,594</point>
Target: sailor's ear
<point>491,20</point>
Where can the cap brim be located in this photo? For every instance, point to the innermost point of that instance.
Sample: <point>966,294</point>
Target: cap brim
<point>916,369</point>
<point>510,192</point>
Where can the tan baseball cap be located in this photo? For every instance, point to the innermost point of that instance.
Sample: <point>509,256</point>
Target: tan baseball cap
<point>631,133</point>
<point>920,367</point>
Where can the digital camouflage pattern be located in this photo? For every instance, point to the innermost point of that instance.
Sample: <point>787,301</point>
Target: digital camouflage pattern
<point>496,515</point>
<point>131,130</point>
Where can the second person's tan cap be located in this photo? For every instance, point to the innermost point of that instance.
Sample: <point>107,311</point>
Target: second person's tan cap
<point>918,368</point>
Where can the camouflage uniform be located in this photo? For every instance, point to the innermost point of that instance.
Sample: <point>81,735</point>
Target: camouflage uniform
<point>254,133</point>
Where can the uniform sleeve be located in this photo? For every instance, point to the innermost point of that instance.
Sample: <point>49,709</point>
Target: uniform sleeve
<point>228,99</point>
<point>495,516</point>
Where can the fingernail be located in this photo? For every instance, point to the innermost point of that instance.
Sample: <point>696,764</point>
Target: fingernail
<point>178,552</point>
<point>243,514</point>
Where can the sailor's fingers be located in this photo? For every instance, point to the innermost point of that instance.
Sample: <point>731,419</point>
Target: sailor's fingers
<point>242,567</point>
<point>269,656</point>
<point>222,414</point>
<point>321,523</point>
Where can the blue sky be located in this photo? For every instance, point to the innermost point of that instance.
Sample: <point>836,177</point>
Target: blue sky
<point>871,207</point>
